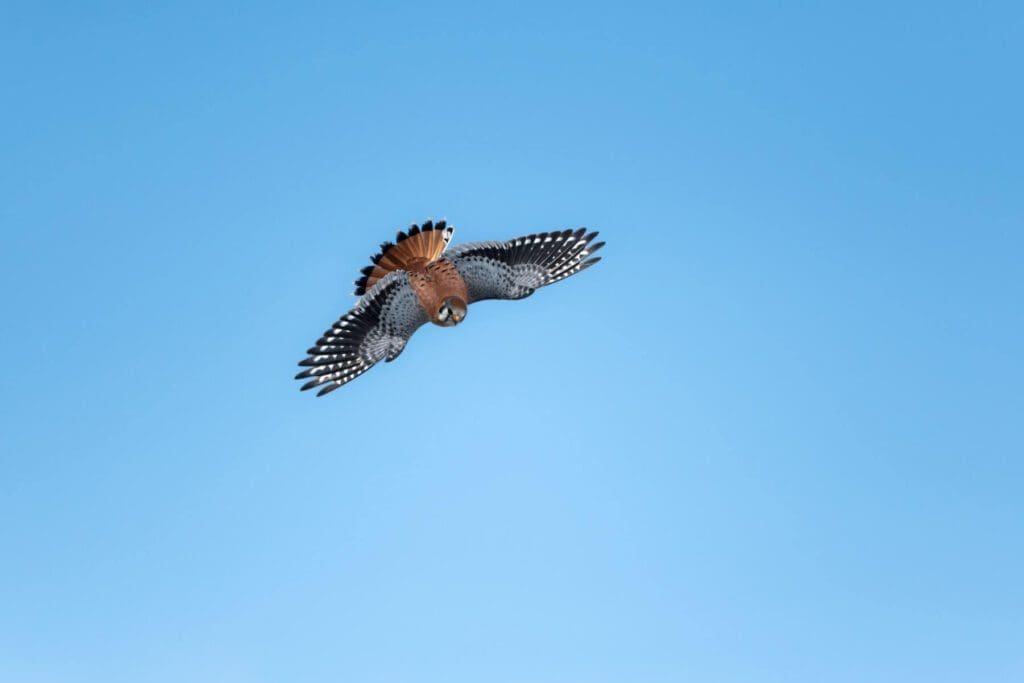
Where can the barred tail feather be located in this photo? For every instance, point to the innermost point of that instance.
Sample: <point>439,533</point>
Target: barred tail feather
<point>410,251</point>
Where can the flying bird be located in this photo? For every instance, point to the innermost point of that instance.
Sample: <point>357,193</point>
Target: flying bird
<point>415,280</point>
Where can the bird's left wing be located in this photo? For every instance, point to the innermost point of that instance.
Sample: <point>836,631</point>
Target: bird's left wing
<point>376,329</point>
<point>514,269</point>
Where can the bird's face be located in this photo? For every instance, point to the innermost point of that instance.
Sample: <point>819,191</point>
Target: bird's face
<point>451,312</point>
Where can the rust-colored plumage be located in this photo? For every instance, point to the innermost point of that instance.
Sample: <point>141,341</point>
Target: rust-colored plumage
<point>434,279</point>
<point>411,252</point>
<point>436,283</point>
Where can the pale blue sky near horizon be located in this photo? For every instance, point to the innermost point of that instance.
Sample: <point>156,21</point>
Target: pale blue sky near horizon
<point>775,435</point>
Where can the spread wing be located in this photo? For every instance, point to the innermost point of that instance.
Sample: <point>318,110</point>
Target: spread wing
<point>376,329</point>
<point>514,269</point>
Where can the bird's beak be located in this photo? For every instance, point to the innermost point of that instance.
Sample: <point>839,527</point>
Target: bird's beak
<point>457,318</point>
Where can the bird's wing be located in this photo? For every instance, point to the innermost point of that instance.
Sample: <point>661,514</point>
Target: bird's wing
<point>514,269</point>
<point>376,329</point>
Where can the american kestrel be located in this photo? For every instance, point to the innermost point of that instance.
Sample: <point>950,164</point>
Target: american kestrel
<point>414,280</point>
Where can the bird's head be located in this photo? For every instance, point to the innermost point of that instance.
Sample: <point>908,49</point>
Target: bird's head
<point>451,312</point>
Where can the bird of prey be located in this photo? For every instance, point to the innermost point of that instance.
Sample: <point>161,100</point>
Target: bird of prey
<point>415,280</point>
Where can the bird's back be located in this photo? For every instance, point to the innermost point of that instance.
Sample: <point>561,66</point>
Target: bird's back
<point>437,281</point>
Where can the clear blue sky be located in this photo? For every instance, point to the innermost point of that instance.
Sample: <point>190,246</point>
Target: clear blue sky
<point>776,435</point>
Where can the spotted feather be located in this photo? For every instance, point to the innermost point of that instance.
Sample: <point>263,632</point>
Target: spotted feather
<point>516,268</point>
<point>376,329</point>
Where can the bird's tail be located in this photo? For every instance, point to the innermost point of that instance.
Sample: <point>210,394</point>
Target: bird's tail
<point>411,250</point>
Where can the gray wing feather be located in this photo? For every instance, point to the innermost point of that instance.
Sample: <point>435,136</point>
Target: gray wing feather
<point>516,268</point>
<point>376,329</point>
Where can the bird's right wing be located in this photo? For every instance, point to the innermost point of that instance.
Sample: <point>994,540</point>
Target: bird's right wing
<point>376,329</point>
<point>514,269</point>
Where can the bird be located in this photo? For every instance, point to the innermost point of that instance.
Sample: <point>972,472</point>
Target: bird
<point>416,279</point>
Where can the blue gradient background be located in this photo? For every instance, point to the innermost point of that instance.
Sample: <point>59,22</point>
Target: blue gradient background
<point>776,435</point>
